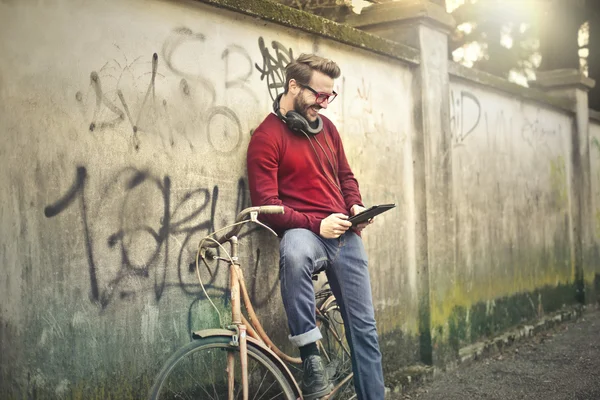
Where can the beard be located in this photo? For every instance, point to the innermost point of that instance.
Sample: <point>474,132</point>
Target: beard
<point>302,107</point>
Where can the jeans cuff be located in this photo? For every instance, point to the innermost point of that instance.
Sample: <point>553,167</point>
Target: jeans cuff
<point>308,337</point>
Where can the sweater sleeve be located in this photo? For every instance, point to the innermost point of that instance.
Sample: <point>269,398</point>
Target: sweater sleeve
<point>263,165</point>
<point>348,182</point>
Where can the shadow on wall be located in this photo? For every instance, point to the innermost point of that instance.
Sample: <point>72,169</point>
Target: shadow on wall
<point>597,287</point>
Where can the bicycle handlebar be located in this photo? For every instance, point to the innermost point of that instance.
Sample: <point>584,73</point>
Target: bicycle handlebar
<point>263,210</point>
<point>239,222</point>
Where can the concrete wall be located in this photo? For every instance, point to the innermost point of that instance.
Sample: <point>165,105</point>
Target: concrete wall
<point>124,128</point>
<point>511,217</point>
<point>592,272</point>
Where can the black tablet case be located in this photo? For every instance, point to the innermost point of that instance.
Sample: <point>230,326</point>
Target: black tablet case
<point>370,213</point>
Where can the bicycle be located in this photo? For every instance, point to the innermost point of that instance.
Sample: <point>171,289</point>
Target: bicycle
<point>240,359</point>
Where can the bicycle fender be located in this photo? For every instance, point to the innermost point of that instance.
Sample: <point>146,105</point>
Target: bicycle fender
<point>212,332</point>
<point>268,352</point>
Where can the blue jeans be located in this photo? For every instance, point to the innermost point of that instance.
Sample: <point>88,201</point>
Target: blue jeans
<point>345,262</point>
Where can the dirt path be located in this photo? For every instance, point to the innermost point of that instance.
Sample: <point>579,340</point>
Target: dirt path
<point>563,364</point>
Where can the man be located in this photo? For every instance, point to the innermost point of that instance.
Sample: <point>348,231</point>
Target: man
<point>296,159</point>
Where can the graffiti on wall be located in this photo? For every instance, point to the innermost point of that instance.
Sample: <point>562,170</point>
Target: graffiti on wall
<point>149,227</point>
<point>150,232</point>
<point>141,238</point>
<point>462,122</point>
<point>490,139</point>
<point>125,94</point>
<point>273,66</point>
<point>468,117</point>
<point>361,116</point>
<point>138,229</point>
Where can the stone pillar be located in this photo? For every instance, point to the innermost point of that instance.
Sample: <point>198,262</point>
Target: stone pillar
<point>572,85</point>
<point>425,26</point>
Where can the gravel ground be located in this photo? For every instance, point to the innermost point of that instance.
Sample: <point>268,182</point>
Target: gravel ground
<point>561,364</point>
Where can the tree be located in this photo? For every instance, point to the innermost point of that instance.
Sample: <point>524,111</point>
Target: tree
<point>543,35</point>
<point>562,46</point>
<point>559,33</point>
<point>512,39</point>
<point>593,58</point>
<point>503,33</point>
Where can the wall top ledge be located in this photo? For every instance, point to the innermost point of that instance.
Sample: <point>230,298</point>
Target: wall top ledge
<point>561,79</point>
<point>283,15</point>
<point>595,115</point>
<point>399,11</point>
<point>503,85</point>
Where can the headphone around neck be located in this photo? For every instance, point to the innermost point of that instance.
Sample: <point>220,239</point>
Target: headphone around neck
<point>295,121</point>
<point>300,126</point>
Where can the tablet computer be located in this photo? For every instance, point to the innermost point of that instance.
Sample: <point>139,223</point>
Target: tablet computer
<point>370,213</point>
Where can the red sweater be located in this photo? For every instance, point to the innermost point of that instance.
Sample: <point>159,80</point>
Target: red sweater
<point>283,169</point>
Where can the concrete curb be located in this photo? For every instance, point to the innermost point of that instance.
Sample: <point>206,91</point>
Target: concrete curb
<point>488,348</point>
<point>415,374</point>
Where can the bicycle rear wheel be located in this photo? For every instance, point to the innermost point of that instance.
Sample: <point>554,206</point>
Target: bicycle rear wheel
<point>335,350</point>
<point>199,371</point>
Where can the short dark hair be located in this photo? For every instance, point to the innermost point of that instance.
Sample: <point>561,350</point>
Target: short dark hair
<point>301,69</point>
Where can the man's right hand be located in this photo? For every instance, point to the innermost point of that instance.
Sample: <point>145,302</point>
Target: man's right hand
<point>334,226</point>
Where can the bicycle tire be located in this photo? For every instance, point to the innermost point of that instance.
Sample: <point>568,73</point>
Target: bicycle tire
<point>180,377</point>
<point>334,348</point>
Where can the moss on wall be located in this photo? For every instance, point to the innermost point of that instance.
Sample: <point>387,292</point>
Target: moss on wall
<point>487,319</point>
<point>310,23</point>
<point>399,350</point>
<point>517,269</point>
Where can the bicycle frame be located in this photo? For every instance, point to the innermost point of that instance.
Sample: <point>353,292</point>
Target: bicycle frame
<point>241,328</point>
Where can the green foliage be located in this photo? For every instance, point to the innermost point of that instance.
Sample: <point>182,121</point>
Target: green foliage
<point>506,33</point>
<point>509,39</point>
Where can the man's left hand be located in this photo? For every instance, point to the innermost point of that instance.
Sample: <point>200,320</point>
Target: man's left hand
<point>356,209</point>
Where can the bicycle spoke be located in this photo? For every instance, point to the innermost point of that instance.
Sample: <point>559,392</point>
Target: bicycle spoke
<point>259,386</point>
<point>197,371</point>
<point>216,396</point>
<point>208,372</point>
<point>213,377</point>
<point>274,397</point>
<point>266,390</point>
<point>258,390</point>
<point>178,393</point>
<point>200,385</point>
<point>237,396</point>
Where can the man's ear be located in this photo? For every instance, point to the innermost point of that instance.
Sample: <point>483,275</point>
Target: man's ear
<point>293,87</point>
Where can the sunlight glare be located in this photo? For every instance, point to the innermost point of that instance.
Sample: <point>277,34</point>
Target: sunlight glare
<point>467,27</point>
<point>358,5</point>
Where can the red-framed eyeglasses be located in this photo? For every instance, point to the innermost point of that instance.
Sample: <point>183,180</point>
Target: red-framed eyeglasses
<point>320,97</point>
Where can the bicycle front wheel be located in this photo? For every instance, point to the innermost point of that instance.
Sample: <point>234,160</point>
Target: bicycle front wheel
<point>199,371</point>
